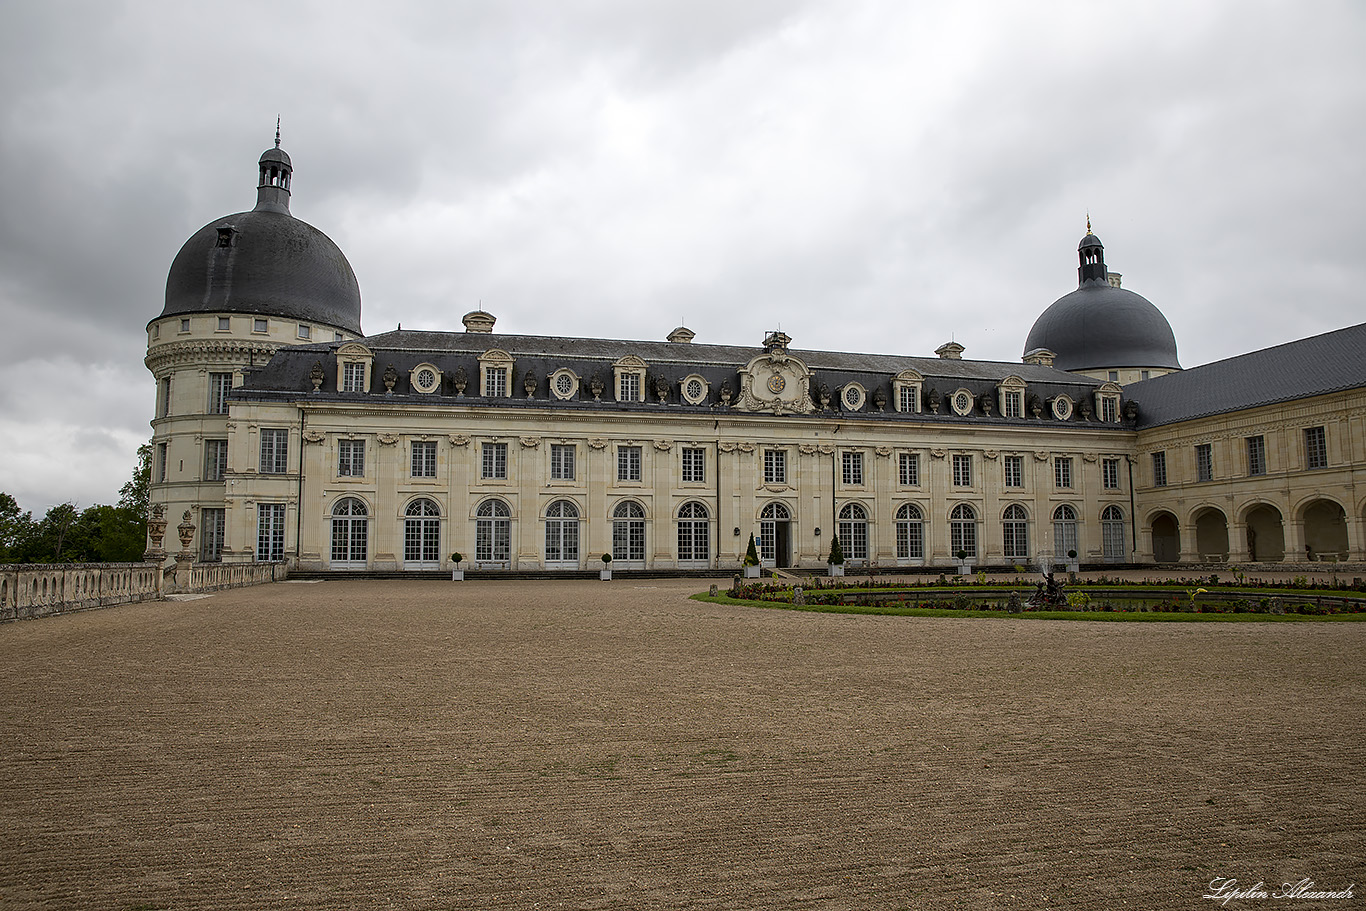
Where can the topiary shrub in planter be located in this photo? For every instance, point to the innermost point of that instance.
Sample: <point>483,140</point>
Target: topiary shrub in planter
<point>1071,561</point>
<point>457,574</point>
<point>964,565</point>
<point>605,574</point>
<point>835,562</point>
<point>751,560</point>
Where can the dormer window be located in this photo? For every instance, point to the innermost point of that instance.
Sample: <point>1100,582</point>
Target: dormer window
<point>353,368</point>
<point>906,388</point>
<point>853,396</point>
<point>425,378</point>
<point>495,373</point>
<point>225,237</point>
<point>564,384</point>
<point>961,402</point>
<point>1010,392</point>
<point>1107,403</point>
<point>630,379</point>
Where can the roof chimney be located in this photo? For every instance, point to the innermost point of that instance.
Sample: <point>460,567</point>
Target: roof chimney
<point>950,351</point>
<point>479,321</point>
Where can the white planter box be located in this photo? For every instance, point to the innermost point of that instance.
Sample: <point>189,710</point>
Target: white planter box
<point>605,575</point>
<point>836,569</point>
<point>457,575</point>
<point>751,572</point>
<point>964,569</point>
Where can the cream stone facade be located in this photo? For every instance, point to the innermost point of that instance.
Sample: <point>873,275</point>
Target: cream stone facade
<point>289,435</point>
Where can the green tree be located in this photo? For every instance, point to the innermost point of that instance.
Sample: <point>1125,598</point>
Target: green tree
<point>16,528</point>
<point>135,494</point>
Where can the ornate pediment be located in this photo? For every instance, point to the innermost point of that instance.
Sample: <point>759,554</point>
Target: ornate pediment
<point>776,382</point>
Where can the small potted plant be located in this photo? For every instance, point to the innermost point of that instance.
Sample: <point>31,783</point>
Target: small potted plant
<point>1071,561</point>
<point>605,574</point>
<point>457,574</point>
<point>836,559</point>
<point>964,565</point>
<point>751,559</point>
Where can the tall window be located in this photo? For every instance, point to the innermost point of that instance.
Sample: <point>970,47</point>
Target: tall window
<point>908,469</point>
<point>1256,455</point>
<point>162,457</point>
<point>962,471</point>
<point>424,458</point>
<point>775,466</point>
<point>422,533</point>
<point>219,385</point>
<point>1112,534</point>
<point>495,382</point>
<point>853,469</point>
<point>351,458</point>
<point>353,376</point>
<point>274,450</point>
<point>350,532</point>
<point>164,394</point>
<point>494,461</point>
<point>1012,404</point>
<point>1015,533</point>
<point>1204,462</point>
<point>270,532</point>
<point>211,527</point>
<point>1064,531</point>
<point>853,524</point>
<point>562,462</point>
<point>963,531</point>
<point>1062,473</point>
<point>1109,408</point>
<point>694,535</point>
<point>1159,469</point>
<point>771,518</point>
<point>907,399</point>
<point>694,464</point>
<point>629,386</point>
<point>493,532</point>
<point>1109,474</point>
<point>628,463</point>
<point>1014,470</point>
<point>910,533</point>
<point>628,533</point>
<point>215,459</point>
<point>562,533</point>
<point>1315,448</point>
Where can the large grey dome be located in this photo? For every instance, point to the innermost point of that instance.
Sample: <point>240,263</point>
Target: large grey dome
<point>265,262</point>
<point>1100,326</point>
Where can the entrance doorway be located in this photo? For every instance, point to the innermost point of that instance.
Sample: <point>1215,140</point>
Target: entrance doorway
<point>775,536</point>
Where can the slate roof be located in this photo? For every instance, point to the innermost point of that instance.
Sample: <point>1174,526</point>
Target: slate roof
<point>1331,362</point>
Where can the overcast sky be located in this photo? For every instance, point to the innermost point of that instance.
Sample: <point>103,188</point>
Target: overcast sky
<point>871,176</point>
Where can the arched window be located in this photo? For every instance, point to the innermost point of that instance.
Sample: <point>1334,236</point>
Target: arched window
<point>350,528</point>
<point>910,533</point>
<point>628,533</point>
<point>773,524</point>
<point>853,529</point>
<point>963,531</point>
<point>562,534</point>
<point>1112,534</point>
<point>1015,533</point>
<point>493,533</point>
<point>694,536</point>
<point>1064,531</point>
<point>422,535</point>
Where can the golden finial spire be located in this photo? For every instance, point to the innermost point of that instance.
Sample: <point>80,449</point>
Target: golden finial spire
<point>1088,211</point>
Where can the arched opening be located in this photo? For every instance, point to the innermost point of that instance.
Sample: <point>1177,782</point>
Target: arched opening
<point>1166,538</point>
<point>1065,534</point>
<point>1112,535</point>
<point>493,534</point>
<point>775,538</point>
<point>562,535</point>
<point>853,531</point>
<point>1211,535</point>
<point>1015,533</point>
<point>422,535</point>
<point>1325,531</point>
<point>628,535</point>
<point>350,534</point>
<point>910,534</point>
<point>963,532</point>
<point>1265,534</point>
<point>694,536</point>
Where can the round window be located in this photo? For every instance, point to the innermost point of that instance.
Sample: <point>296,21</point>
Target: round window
<point>962,403</point>
<point>853,397</point>
<point>564,385</point>
<point>694,390</point>
<point>426,379</point>
<point>1062,408</point>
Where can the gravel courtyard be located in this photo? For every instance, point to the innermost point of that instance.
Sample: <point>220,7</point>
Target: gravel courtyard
<point>586,745</point>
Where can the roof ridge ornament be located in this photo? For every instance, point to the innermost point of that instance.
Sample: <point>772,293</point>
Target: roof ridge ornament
<point>277,137</point>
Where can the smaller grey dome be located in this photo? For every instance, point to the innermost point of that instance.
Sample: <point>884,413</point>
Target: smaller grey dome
<point>1090,240</point>
<point>276,154</point>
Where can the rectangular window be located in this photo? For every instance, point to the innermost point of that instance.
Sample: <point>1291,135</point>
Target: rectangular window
<point>215,459</point>
<point>630,387</point>
<point>164,391</point>
<point>694,464</point>
<point>1012,404</point>
<point>219,385</point>
<point>1315,448</point>
<point>270,532</point>
<point>1256,455</point>
<point>304,331</point>
<point>351,458</point>
<point>1204,462</point>
<point>775,466</point>
<point>260,325</point>
<point>211,526</point>
<point>1109,474</point>
<point>1014,470</point>
<point>274,451</point>
<point>562,462</point>
<point>1109,409</point>
<point>908,399</point>
<point>161,463</point>
<point>495,382</point>
<point>494,462</point>
<point>1114,376</point>
<point>353,377</point>
<point>1159,469</point>
<point>1062,473</point>
<point>962,471</point>
<point>908,469</point>
<point>185,325</point>
<point>853,468</point>
<point>224,323</point>
<point>628,463</point>
<point>424,458</point>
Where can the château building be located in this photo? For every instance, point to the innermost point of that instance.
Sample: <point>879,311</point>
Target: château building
<point>290,435</point>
